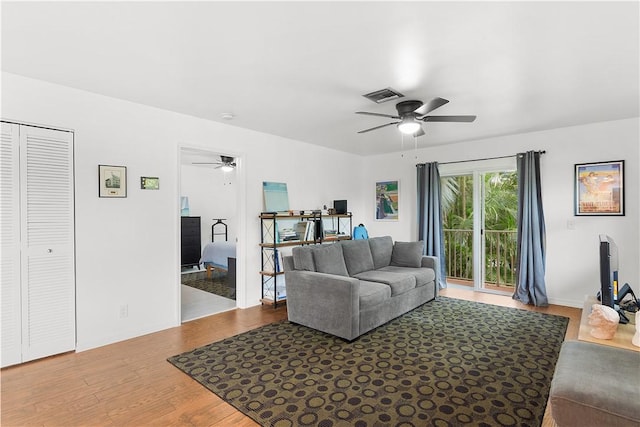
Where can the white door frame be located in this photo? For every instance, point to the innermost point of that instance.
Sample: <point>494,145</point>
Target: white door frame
<point>478,231</point>
<point>241,208</point>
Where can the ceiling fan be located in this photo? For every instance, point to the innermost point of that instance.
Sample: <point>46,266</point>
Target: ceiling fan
<point>411,113</point>
<point>226,163</point>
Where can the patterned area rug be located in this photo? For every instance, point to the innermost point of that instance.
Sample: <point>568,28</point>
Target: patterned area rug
<point>215,285</point>
<point>447,363</point>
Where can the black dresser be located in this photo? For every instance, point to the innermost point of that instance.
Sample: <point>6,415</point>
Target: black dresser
<point>190,241</point>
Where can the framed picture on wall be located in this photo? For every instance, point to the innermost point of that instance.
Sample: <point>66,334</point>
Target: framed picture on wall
<point>387,198</point>
<point>149,183</point>
<point>276,197</point>
<point>112,181</point>
<point>599,188</point>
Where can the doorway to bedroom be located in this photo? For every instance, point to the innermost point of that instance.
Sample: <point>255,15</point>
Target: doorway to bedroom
<point>208,232</point>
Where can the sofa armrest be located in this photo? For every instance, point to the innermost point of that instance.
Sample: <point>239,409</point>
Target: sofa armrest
<point>327,302</point>
<point>433,263</point>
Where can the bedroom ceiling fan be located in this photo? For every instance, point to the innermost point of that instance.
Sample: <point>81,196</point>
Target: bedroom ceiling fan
<point>411,113</point>
<point>226,163</point>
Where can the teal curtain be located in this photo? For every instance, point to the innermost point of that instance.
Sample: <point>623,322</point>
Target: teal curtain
<point>530,267</point>
<point>430,227</point>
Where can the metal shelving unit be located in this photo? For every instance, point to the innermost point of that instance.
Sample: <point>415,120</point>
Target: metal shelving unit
<point>273,239</point>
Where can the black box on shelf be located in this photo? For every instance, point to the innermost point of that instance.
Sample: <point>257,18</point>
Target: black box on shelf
<point>340,206</point>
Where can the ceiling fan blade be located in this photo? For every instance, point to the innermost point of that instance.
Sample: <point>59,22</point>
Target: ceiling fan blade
<point>448,118</point>
<point>430,106</point>
<point>377,127</point>
<point>378,114</point>
<point>205,163</point>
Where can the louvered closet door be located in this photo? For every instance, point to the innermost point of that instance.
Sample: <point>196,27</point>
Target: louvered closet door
<point>11,351</point>
<point>47,217</point>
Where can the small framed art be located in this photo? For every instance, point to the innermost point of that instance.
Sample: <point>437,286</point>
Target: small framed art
<point>387,198</point>
<point>599,188</point>
<point>149,183</point>
<point>112,181</point>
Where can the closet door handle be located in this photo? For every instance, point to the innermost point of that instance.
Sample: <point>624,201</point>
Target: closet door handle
<point>50,250</point>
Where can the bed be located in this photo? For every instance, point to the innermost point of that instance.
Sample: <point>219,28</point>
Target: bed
<point>217,255</point>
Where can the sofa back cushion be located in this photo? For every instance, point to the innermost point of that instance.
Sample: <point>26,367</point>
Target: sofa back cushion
<point>329,259</point>
<point>357,256</point>
<point>303,258</point>
<point>381,248</point>
<point>407,254</point>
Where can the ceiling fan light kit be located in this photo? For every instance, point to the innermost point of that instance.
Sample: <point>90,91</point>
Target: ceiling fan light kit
<point>408,126</point>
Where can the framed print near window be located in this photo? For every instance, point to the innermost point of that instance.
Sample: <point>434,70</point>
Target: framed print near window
<point>599,188</point>
<point>112,181</point>
<point>387,194</point>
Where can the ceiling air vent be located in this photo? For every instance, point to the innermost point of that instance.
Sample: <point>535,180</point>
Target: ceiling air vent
<point>383,95</point>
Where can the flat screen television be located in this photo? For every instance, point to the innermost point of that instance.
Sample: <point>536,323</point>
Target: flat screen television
<point>611,294</point>
<point>608,271</point>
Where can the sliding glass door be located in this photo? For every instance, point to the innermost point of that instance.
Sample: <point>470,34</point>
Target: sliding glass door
<point>500,213</point>
<point>479,213</point>
<point>458,227</point>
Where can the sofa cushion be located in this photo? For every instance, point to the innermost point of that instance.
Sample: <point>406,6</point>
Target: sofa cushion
<point>372,294</point>
<point>595,385</point>
<point>407,254</point>
<point>303,258</point>
<point>381,248</point>
<point>328,259</point>
<point>423,275</point>
<point>398,282</point>
<point>357,256</point>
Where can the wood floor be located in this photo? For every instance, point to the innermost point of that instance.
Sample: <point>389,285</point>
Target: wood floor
<point>131,384</point>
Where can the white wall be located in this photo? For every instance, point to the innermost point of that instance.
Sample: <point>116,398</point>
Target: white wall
<point>127,250</point>
<point>572,254</point>
<point>212,193</point>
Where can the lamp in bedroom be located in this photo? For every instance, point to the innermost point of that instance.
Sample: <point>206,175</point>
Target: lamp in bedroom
<point>184,206</point>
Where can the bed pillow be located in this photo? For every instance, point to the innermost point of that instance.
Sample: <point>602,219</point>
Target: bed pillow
<point>328,259</point>
<point>407,254</point>
<point>303,259</point>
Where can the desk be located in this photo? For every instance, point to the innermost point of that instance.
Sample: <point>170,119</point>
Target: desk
<point>623,336</point>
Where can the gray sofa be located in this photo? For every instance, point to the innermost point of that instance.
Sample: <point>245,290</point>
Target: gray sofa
<point>353,286</point>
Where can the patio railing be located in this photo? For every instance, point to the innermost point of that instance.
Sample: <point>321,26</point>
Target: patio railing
<point>500,256</point>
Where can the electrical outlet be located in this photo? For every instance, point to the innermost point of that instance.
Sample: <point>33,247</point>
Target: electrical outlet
<point>124,311</point>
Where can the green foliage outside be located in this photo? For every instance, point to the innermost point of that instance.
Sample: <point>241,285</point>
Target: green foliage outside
<point>500,222</point>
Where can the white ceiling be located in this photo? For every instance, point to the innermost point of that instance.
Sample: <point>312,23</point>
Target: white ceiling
<point>298,69</point>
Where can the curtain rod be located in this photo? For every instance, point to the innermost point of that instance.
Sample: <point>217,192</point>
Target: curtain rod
<point>486,158</point>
